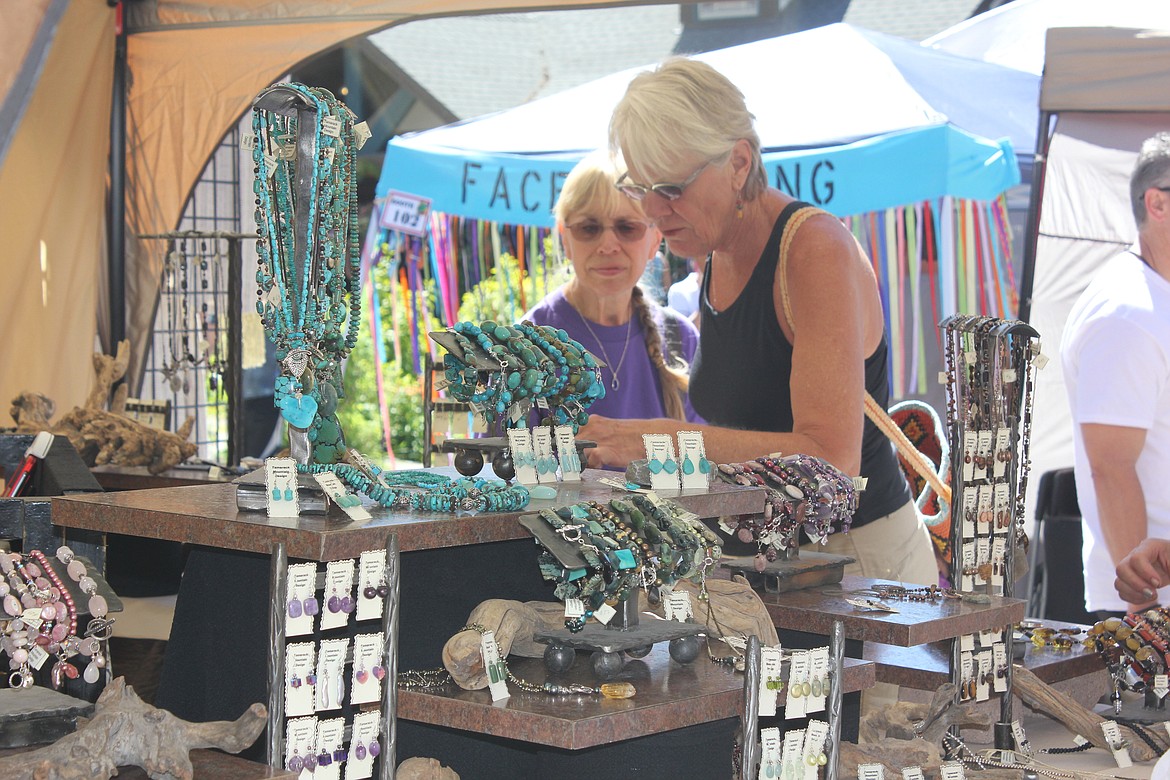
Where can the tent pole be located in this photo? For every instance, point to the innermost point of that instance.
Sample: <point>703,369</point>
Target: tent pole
<point>116,206</point>
<point>1035,194</point>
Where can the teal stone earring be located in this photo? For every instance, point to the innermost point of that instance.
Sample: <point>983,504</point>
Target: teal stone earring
<point>688,467</point>
<point>654,465</point>
<point>288,494</point>
<point>704,465</point>
<point>275,494</point>
<point>669,466</point>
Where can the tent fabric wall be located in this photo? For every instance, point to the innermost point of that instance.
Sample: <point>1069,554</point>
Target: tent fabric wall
<point>1083,71</point>
<point>52,217</point>
<point>1085,219</point>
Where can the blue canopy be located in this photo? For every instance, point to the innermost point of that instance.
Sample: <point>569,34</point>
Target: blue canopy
<point>849,119</point>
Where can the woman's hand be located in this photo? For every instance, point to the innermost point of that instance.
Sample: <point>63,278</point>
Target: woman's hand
<point>1143,571</point>
<point>618,441</point>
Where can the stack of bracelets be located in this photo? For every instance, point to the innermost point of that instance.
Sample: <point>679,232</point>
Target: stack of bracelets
<point>425,491</point>
<point>802,491</point>
<point>40,616</point>
<point>537,364</point>
<point>628,543</point>
<point>1134,648</point>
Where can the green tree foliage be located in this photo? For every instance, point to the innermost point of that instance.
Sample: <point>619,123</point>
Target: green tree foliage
<point>497,297</point>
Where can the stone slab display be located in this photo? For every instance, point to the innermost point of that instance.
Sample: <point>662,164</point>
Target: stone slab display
<point>38,715</point>
<point>207,515</point>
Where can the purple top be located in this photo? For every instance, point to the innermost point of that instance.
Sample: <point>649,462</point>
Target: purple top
<point>639,393</point>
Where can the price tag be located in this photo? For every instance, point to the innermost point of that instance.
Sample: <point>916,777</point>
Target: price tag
<point>337,491</point>
<point>1161,686</point>
<point>1021,739</point>
<point>664,468</point>
<point>299,663</point>
<point>677,606</point>
<point>331,126</point>
<point>574,608</point>
<point>912,773</point>
<point>523,456</point>
<point>769,753</point>
<point>604,614</point>
<point>567,453</point>
<point>405,212</point>
<point>546,462</point>
<point>871,772</point>
<point>794,706</point>
<point>693,463</point>
<point>819,677</point>
<point>361,134</point>
<point>814,748</point>
<point>790,757</point>
<point>37,657</point>
<point>952,770</point>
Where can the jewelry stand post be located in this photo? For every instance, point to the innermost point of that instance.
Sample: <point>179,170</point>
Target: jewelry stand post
<point>388,762</point>
<point>836,685</point>
<point>750,755</point>
<point>278,598</point>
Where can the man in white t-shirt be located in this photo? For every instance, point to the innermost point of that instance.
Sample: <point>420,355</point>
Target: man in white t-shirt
<point>1116,357</point>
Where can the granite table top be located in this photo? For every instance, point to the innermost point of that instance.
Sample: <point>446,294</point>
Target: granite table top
<point>669,696</point>
<point>916,623</point>
<point>208,515</point>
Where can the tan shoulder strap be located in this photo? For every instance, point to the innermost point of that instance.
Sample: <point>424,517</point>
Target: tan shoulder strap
<point>873,410</point>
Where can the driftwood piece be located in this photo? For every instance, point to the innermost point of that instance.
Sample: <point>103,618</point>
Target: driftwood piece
<point>1042,697</point>
<point>908,720</point>
<point>107,371</point>
<point>126,731</point>
<point>419,768</point>
<point>513,624</point>
<point>735,609</point>
<point>102,438</point>
<point>32,412</point>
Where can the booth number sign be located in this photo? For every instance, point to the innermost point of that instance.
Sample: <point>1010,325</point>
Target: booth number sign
<point>405,212</point>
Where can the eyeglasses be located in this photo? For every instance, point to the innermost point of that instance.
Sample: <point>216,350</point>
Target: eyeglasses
<point>664,190</point>
<point>626,230</point>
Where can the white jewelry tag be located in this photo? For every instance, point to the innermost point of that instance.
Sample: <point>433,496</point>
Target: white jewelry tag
<point>1117,745</point>
<point>340,495</point>
<point>943,378</point>
<point>574,608</point>
<point>970,511</point>
<point>496,669</point>
<point>1021,739</point>
<point>299,663</point>
<point>366,728</point>
<point>361,134</point>
<point>871,772</point>
<point>998,549</point>
<point>371,584</point>
<point>280,480</point>
<point>337,601</point>
<point>770,752</point>
<point>982,561</point>
<point>523,456</point>
<point>1078,740</point>
<point>368,669</point>
<point>37,657</point>
<point>694,468</point>
<point>546,462</point>
<point>813,749</point>
<point>567,453</point>
<point>331,126</point>
<point>32,618</point>
<point>330,735</point>
<point>912,773</point>
<point>248,141</point>
<point>1040,361</point>
<point>790,757</point>
<point>999,660</point>
<point>302,604</point>
<point>331,689</point>
<point>1161,686</point>
<point>286,152</point>
<point>1003,508</point>
<point>983,669</point>
<point>818,679</point>
<point>794,705</point>
<point>968,576</point>
<point>771,678</point>
<point>952,770</point>
<point>660,460</point>
<point>678,606</point>
<point>1003,437</point>
<point>970,446</point>
<point>604,614</point>
<point>984,452</point>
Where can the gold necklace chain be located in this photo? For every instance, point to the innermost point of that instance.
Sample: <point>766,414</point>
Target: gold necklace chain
<point>615,383</point>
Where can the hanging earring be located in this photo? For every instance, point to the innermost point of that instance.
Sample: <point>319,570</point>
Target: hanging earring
<point>295,609</point>
<point>704,465</point>
<point>688,467</point>
<point>375,749</point>
<point>334,602</point>
<point>379,672</point>
<point>359,751</point>
<point>276,494</point>
<point>738,207</point>
<point>311,606</point>
<point>296,763</point>
<point>669,466</point>
<point>288,494</point>
<point>362,675</point>
<point>654,465</point>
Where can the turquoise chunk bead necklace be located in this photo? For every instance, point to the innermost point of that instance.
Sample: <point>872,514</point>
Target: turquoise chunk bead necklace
<point>427,491</point>
<point>535,365</point>
<point>310,313</point>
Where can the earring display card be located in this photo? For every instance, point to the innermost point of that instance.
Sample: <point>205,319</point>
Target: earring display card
<point>567,452</point>
<point>771,677</point>
<point>331,674</point>
<point>364,745</point>
<point>694,467</point>
<point>794,706</point>
<point>371,585</point>
<point>952,770</point>
<point>303,605</point>
<point>300,673</point>
<point>300,740</point>
<point>912,773</point>
<point>819,679</point>
<point>546,462</point>
<point>677,606</point>
<point>871,772</point>
<point>769,753</point>
<point>338,595</point>
<point>813,749</point>
<point>523,456</point>
<point>280,480</point>
<point>660,460</point>
<point>497,677</point>
<point>368,669</point>
<point>790,756</point>
<point>330,735</point>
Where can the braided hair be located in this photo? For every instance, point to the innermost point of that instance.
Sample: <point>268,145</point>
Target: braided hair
<point>674,380</point>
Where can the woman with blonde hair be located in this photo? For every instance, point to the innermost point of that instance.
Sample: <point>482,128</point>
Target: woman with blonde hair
<point>793,334</point>
<point>646,348</point>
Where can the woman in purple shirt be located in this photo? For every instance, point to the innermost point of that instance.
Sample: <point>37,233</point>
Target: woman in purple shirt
<point>646,348</point>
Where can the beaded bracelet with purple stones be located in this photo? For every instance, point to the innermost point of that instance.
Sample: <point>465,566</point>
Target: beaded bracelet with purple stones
<point>801,491</point>
<point>431,492</point>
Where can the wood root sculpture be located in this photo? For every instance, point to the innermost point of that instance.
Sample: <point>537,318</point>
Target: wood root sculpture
<point>126,731</point>
<point>107,437</point>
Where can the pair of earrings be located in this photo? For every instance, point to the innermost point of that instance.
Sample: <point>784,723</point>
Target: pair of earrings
<point>688,466</point>
<point>295,680</point>
<point>297,763</point>
<point>497,671</point>
<point>656,466</point>
<point>373,750</point>
<point>774,683</point>
<point>524,458</point>
<point>546,465</point>
<point>309,607</point>
<point>571,461</point>
<point>347,500</point>
<point>378,591</point>
<point>362,676</point>
<point>283,495</point>
<point>815,759</point>
<point>338,603</point>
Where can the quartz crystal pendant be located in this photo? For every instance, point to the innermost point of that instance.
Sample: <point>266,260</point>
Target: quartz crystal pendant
<point>618,690</point>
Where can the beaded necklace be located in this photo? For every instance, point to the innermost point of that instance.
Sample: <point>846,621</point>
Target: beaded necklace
<point>432,492</point>
<point>309,261</point>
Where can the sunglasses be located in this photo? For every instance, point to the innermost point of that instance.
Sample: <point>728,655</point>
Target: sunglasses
<point>664,190</point>
<point>627,231</point>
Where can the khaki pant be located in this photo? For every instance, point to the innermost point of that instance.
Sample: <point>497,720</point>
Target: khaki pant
<point>895,547</point>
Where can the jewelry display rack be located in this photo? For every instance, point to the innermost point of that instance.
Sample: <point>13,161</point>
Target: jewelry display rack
<point>196,303</point>
<point>990,366</point>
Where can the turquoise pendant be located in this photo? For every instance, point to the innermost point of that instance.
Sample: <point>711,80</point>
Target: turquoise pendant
<point>299,412</point>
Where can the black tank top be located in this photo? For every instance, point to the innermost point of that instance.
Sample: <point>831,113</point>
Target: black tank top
<point>740,376</point>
